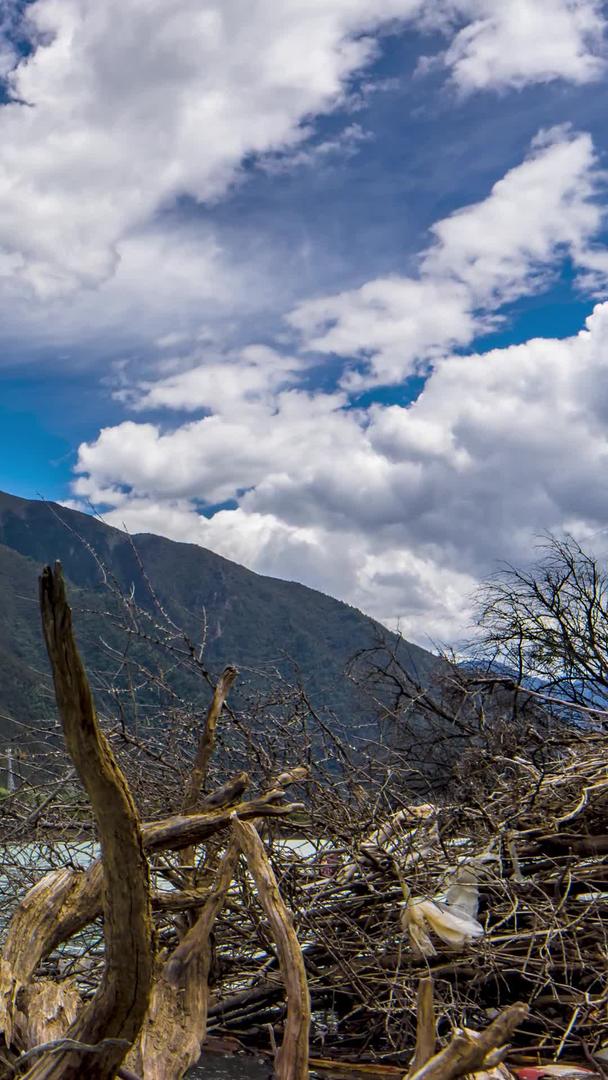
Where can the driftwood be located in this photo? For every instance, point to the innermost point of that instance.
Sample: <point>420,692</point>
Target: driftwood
<point>521,864</point>
<point>66,901</point>
<point>468,1052</point>
<point>425,1024</point>
<point>543,910</point>
<point>156,1009</point>
<point>204,752</point>
<point>45,1012</point>
<point>206,744</point>
<point>119,1005</point>
<point>175,1026</point>
<point>291,1061</point>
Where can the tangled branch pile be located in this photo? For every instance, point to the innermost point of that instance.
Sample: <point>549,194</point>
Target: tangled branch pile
<point>501,900</point>
<point>477,857</point>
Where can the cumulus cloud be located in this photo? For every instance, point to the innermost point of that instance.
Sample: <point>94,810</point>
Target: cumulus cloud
<point>396,509</point>
<point>216,457</point>
<point>512,44</point>
<point>180,278</point>
<point>228,381</point>
<point>178,273</point>
<point>106,129</point>
<point>481,257</point>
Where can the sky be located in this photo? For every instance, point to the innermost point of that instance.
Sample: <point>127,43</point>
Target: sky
<point>319,285</point>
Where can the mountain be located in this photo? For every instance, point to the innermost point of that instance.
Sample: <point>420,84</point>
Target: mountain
<point>258,623</point>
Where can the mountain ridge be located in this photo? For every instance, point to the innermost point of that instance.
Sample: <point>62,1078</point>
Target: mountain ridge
<point>251,620</point>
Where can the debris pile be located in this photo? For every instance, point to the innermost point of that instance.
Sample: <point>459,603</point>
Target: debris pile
<point>357,921</point>
<point>502,900</point>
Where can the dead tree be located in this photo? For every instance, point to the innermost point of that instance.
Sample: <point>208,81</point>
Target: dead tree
<point>151,1007</point>
<point>115,1014</point>
<point>535,829</point>
<point>549,625</point>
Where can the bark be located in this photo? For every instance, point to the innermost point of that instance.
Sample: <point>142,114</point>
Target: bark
<point>175,1027</point>
<point>45,1012</point>
<point>203,756</point>
<point>207,740</point>
<point>292,1057</point>
<point>425,1024</point>
<point>227,793</point>
<point>65,901</point>
<point>467,1051</point>
<point>116,1011</point>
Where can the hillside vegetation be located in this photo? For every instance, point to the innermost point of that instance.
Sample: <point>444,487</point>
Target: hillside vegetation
<point>261,624</point>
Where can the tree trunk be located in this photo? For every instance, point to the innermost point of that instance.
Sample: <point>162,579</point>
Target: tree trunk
<point>292,1057</point>
<point>117,1010</point>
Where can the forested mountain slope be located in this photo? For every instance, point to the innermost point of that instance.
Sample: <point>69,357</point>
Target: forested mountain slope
<point>258,623</point>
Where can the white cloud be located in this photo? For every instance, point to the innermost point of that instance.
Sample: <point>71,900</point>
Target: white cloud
<point>9,21</point>
<point>512,43</point>
<point>216,457</point>
<point>543,207</point>
<point>228,382</point>
<point>397,510</point>
<point>122,108</point>
<point>163,278</point>
<point>481,257</point>
<point>129,106</point>
<point>390,325</point>
<point>343,145</point>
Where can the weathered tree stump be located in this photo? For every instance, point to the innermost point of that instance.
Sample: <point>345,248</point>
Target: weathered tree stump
<point>153,1009</point>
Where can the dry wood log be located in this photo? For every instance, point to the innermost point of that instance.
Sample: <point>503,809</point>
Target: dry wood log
<point>179,899</point>
<point>228,793</point>
<point>238,1002</point>
<point>175,1027</point>
<point>349,1068</point>
<point>581,845</point>
<point>467,1052</point>
<point>180,831</point>
<point>292,1057</point>
<point>117,1009</point>
<point>425,1024</point>
<point>204,753</point>
<point>207,740</point>
<point>65,901</point>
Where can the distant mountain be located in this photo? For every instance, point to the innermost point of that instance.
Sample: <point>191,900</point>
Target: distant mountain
<point>258,623</point>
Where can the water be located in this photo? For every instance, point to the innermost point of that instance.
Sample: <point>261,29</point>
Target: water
<point>214,1066</point>
<point>231,1067</point>
<point>21,865</point>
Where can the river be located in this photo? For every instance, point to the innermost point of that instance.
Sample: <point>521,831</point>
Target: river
<point>231,1067</point>
<point>23,864</point>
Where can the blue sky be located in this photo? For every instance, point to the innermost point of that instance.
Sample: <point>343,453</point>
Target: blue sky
<point>326,268</point>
